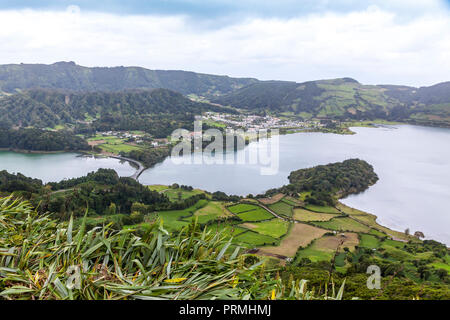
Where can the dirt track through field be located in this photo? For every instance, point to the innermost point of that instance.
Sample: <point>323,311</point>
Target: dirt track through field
<point>299,236</point>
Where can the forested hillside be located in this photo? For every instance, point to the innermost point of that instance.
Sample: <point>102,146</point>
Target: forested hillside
<point>69,76</point>
<point>102,90</point>
<point>41,140</point>
<point>125,110</point>
<point>346,99</point>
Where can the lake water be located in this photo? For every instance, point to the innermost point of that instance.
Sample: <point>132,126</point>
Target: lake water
<point>59,166</point>
<point>412,162</point>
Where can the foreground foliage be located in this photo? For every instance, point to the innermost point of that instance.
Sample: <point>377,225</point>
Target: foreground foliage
<point>38,254</point>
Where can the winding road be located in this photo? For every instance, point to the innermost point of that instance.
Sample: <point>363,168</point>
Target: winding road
<point>140,166</point>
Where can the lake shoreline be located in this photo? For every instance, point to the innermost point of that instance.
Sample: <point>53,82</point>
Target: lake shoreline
<point>25,151</point>
<point>369,145</point>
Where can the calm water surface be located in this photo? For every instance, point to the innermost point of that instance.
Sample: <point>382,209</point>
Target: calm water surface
<point>59,166</point>
<point>412,162</point>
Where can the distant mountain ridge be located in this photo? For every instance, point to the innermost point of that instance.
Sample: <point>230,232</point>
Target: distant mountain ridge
<point>70,76</point>
<point>343,98</point>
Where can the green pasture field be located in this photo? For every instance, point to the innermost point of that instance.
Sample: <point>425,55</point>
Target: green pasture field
<point>113,144</point>
<point>242,207</point>
<point>212,211</point>
<point>325,247</point>
<point>369,241</point>
<point>377,233</point>
<point>275,228</point>
<point>290,201</point>
<point>255,239</point>
<point>322,209</point>
<point>176,219</point>
<point>340,259</point>
<point>231,229</point>
<point>343,224</point>
<point>314,254</point>
<point>307,216</point>
<point>118,148</point>
<point>282,208</point>
<point>394,243</point>
<point>173,194</point>
<point>255,215</point>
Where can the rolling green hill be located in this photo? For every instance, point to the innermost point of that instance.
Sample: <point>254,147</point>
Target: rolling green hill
<point>346,99</point>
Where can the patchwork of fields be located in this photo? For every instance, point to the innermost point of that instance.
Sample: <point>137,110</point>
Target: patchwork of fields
<point>301,232</point>
<point>300,235</point>
<point>112,144</point>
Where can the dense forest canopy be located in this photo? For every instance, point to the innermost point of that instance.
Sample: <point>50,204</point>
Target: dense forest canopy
<point>325,183</point>
<point>41,140</point>
<point>349,176</point>
<point>125,110</point>
<point>148,157</point>
<point>18,182</point>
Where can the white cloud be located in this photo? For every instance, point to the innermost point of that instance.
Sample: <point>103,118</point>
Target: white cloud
<point>372,45</point>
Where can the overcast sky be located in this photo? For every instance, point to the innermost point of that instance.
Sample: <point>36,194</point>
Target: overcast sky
<point>375,42</point>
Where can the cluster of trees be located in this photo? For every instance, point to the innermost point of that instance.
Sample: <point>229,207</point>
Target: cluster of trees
<point>102,192</point>
<point>183,187</point>
<point>334,179</point>
<point>41,140</point>
<point>149,156</point>
<point>18,182</point>
<point>222,196</point>
<point>328,182</point>
<point>98,191</point>
<point>394,265</point>
<point>159,126</point>
<point>439,249</point>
